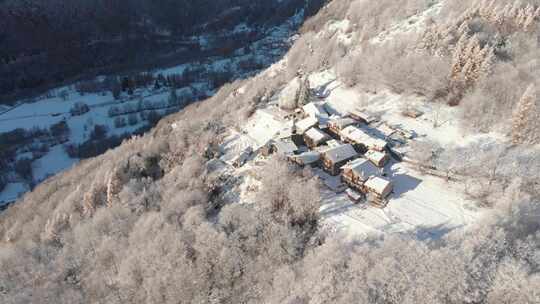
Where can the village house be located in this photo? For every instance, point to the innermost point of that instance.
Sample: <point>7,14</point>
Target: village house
<point>333,143</point>
<point>290,133</point>
<point>355,135</point>
<point>337,125</point>
<point>315,110</point>
<point>379,159</point>
<point>357,172</point>
<point>309,158</point>
<point>386,130</point>
<point>284,147</point>
<point>305,124</point>
<point>378,189</point>
<point>315,137</point>
<point>362,116</point>
<point>334,158</point>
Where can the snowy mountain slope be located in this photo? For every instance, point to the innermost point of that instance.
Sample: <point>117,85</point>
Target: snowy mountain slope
<point>202,210</point>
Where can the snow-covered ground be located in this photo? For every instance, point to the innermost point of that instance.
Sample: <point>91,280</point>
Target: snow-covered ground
<point>12,191</point>
<point>54,161</point>
<point>423,205</point>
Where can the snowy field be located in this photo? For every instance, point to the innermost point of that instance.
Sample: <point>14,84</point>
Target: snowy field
<point>423,205</point>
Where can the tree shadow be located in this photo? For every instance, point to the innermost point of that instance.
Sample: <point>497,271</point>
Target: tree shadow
<point>425,233</point>
<point>403,183</point>
<point>342,207</point>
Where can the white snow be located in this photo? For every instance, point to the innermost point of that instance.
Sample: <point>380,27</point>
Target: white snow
<point>12,192</point>
<point>419,204</point>
<point>55,161</point>
<point>415,23</point>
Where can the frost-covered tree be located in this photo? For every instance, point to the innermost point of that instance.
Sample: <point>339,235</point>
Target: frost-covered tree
<point>525,118</point>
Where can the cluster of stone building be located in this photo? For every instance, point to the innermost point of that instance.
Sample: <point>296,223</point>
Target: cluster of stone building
<point>356,146</point>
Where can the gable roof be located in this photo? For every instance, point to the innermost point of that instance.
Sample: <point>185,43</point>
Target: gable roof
<point>306,123</point>
<point>363,168</point>
<point>340,153</point>
<point>342,122</point>
<point>358,136</point>
<point>365,117</point>
<point>379,185</point>
<point>315,110</point>
<point>285,147</point>
<point>317,135</point>
<point>307,158</point>
<point>375,156</point>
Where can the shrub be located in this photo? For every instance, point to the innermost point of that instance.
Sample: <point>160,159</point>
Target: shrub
<point>132,119</point>
<point>59,129</point>
<point>119,122</point>
<point>23,167</point>
<point>3,182</point>
<point>79,108</point>
<point>98,133</point>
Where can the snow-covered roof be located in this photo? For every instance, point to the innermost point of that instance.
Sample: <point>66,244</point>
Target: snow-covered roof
<point>357,114</point>
<point>285,147</point>
<point>363,168</point>
<point>340,153</point>
<point>379,185</point>
<point>341,123</point>
<point>358,136</point>
<point>306,123</point>
<point>316,135</point>
<point>386,130</point>
<point>375,156</point>
<point>315,109</point>
<point>333,143</point>
<point>353,194</point>
<point>307,158</point>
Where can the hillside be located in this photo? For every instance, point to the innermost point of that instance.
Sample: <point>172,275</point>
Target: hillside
<point>258,195</point>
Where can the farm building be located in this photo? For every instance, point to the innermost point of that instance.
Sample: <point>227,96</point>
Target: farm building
<point>379,159</point>
<point>379,187</point>
<point>314,110</point>
<point>315,137</point>
<point>356,135</point>
<point>357,172</point>
<point>309,158</point>
<point>362,116</point>
<point>336,125</point>
<point>303,125</point>
<point>334,158</point>
<point>284,147</point>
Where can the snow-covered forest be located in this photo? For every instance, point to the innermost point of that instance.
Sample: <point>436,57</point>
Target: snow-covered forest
<point>212,205</point>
